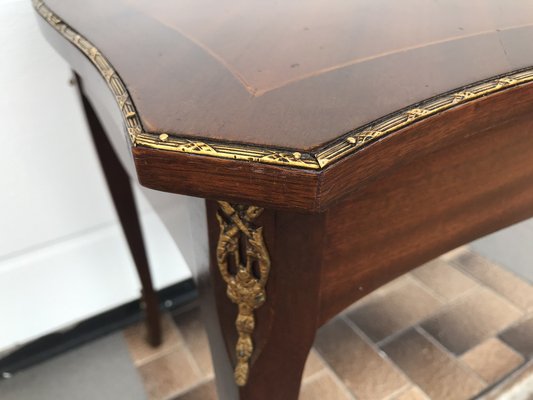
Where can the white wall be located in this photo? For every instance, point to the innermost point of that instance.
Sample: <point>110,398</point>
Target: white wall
<point>62,255</point>
<point>511,247</point>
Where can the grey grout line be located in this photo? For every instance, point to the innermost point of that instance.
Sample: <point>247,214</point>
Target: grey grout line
<point>456,358</point>
<point>374,347</point>
<point>488,260</point>
<point>340,384</point>
<point>458,267</point>
<point>312,376</point>
<point>432,292</point>
<point>310,379</point>
<point>189,354</point>
<point>188,389</point>
<point>444,308</point>
<point>329,371</point>
<point>398,392</point>
<point>154,357</point>
<point>488,393</point>
<point>335,377</point>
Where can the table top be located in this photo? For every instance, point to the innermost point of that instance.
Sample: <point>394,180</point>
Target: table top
<point>293,74</point>
<point>302,85</point>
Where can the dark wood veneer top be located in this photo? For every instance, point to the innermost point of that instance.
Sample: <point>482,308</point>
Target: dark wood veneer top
<point>296,74</point>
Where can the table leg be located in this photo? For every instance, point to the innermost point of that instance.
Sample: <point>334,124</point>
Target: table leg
<point>264,274</point>
<point>120,187</point>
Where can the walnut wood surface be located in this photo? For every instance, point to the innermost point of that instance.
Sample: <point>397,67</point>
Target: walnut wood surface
<point>286,323</point>
<point>428,206</point>
<point>311,191</point>
<point>284,187</point>
<point>296,75</point>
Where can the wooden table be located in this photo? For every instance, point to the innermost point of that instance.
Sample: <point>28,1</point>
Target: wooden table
<point>338,145</point>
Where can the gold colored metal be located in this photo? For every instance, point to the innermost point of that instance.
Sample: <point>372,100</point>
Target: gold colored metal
<point>319,159</point>
<point>361,136</point>
<point>246,282</point>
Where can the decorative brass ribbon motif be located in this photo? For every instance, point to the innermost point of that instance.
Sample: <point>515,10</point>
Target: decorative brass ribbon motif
<point>318,159</point>
<point>246,282</point>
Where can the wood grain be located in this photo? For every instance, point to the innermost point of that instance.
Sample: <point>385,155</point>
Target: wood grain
<point>288,76</point>
<point>423,208</point>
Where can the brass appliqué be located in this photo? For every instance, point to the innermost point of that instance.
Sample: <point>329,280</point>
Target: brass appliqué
<point>244,264</point>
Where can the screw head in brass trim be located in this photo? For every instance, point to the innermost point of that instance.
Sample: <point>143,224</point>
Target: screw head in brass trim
<point>163,137</point>
<point>351,140</point>
<point>297,155</point>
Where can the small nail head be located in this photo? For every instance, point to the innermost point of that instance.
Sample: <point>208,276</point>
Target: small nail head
<point>163,137</point>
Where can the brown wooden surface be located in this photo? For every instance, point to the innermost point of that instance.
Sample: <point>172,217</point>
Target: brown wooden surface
<point>428,206</point>
<point>284,187</point>
<point>292,74</point>
<point>286,323</point>
<point>313,191</point>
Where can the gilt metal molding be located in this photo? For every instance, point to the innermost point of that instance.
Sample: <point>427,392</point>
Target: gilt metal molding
<point>317,159</point>
<point>245,274</point>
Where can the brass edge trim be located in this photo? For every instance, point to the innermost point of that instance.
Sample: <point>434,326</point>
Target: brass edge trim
<point>330,153</point>
<point>225,150</point>
<point>122,97</point>
<point>165,141</point>
<point>242,244</point>
<point>352,141</point>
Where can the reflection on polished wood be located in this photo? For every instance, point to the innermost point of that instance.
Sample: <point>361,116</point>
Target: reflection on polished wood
<point>331,152</point>
<point>322,67</point>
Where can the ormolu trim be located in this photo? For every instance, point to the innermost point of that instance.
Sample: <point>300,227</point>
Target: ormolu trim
<point>319,159</point>
<point>246,284</point>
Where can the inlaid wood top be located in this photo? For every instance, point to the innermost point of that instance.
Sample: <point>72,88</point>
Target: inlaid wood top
<point>296,74</point>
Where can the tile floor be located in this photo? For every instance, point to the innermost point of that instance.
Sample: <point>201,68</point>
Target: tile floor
<point>456,328</point>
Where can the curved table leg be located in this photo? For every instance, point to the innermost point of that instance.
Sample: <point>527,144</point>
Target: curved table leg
<point>119,184</point>
<point>264,274</point>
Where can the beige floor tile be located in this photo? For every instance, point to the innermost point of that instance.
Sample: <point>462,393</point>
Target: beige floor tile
<point>402,306</point>
<point>140,351</point>
<point>444,279</point>
<point>193,331</point>
<point>518,291</point>
<point>413,393</point>
<point>323,387</point>
<point>520,337</point>
<point>313,365</point>
<point>492,360</point>
<point>367,374</point>
<point>378,293</point>
<point>435,372</point>
<point>168,375</point>
<point>519,386</point>
<point>473,318</point>
<point>205,391</point>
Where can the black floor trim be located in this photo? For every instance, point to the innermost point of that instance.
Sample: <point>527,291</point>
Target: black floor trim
<point>51,345</point>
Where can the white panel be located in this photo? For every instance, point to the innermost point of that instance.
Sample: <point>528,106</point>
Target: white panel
<point>511,247</point>
<point>51,185</point>
<point>63,257</point>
